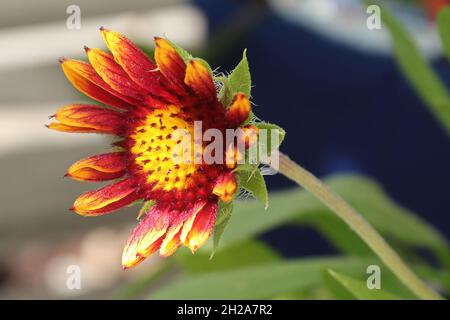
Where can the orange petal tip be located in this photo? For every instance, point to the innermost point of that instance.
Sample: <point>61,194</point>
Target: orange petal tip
<point>226,187</point>
<point>239,110</point>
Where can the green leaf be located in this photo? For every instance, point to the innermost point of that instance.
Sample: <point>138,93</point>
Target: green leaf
<point>224,214</point>
<point>239,80</point>
<point>253,182</point>
<point>359,289</point>
<point>140,286</point>
<point>336,232</point>
<point>259,281</point>
<point>246,253</point>
<point>439,278</point>
<point>443,22</point>
<point>265,140</point>
<point>417,70</point>
<point>337,291</point>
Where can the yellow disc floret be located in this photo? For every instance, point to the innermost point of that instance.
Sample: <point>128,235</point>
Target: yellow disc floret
<point>159,150</point>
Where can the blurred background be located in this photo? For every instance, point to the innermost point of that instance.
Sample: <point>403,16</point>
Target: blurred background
<point>317,71</point>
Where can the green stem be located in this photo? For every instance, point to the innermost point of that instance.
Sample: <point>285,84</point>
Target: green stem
<point>358,224</point>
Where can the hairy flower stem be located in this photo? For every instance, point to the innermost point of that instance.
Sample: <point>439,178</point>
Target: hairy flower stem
<point>358,224</point>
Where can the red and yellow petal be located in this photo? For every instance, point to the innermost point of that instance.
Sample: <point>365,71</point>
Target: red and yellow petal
<point>107,199</point>
<point>84,78</point>
<point>249,135</point>
<point>113,74</point>
<point>99,167</point>
<point>88,118</point>
<point>239,110</point>
<point>225,187</point>
<point>233,156</point>
<point>147,237</point>
<point>198,228</point>
<point>169,61</point>
<point>200,80</point>
<point>171,240</point>
<point>135,63</point>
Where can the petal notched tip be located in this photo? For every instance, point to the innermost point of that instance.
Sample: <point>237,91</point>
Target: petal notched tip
<point>171,241</point>
<point>98,168</point>
<point>147,237</point>
<point>83,118</point>
<point>198,229</point>
<point>107,199</point>
<point>83,77</point>
<point>113,74</point>
<point>169,62</point>
<point>132,60</point>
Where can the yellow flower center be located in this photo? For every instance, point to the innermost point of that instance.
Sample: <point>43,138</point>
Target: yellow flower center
<point>157,149</point>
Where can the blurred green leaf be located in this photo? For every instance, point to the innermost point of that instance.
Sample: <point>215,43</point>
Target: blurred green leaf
<point>336,289</point>
<point>359,289</point>
<point>336,232</point>
<point>250,220</point>
<point>443,22</point>
<point>139,287</point>
<point>246,253</point>
<point>257,282</point>
<point>439,278</point>
<point>253,182</point>
<point>417,70</point>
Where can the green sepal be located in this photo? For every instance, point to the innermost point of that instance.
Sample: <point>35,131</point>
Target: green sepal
<point>223,217</point>
<point>253,181</point>
<point>239,80</point>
